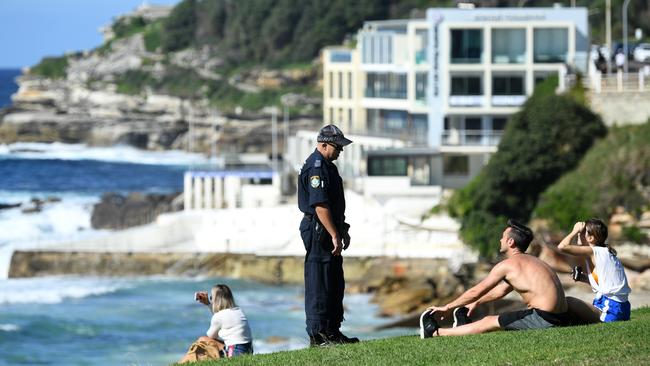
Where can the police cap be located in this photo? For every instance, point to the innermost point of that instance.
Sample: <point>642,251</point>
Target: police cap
<point>332,134</point>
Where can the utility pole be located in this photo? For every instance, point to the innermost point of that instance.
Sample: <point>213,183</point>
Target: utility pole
<point>274,139</point>
<point>608,34</point>
<point>286,131</point>
<point>625,4</point>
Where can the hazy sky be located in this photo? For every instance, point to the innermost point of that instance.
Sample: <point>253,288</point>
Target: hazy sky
<point>31,29</point>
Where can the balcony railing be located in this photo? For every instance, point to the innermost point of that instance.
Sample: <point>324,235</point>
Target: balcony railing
<point>389,94</point>
<point>416,138</point>
<point>508,100</point>
<point>466,100</point>
<point>471,138</point>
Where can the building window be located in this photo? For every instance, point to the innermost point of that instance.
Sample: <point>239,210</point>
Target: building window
<point>340,85</point>
<point>349,85</point>
<point>331,115</point>
<point>387,166</point>
<point>455,165</point>
<point>421,44</point>
<point>331,84</point>
<point>551,45</point>
<point>508,85</point>
<point>466,85</point>
<point>466,46</point>
<point>386,85</point>
<point>340,56</point>
<point>421,85</point>
<point>499,123</point>
<point>508,46</point>
<point>350,117</point>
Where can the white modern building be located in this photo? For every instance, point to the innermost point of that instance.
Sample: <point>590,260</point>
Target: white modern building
<point>446,85</point>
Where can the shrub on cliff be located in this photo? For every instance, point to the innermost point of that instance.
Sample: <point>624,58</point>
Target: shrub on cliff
<point>51,67</point>
<point>615,172</point>
<point>547,138</point>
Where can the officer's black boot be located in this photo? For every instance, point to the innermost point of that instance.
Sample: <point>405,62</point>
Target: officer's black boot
<point>345,339</point>
<point>318,340</point>
<point>336,337</point>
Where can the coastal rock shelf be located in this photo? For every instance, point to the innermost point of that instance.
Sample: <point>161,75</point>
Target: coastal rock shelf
<point>267,269</point>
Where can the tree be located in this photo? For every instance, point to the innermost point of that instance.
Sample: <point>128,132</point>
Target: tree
<point>547,138</point>
<point>615,172</point>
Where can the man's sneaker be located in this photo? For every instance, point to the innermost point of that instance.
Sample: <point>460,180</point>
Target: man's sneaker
<point>428,324</point>
<point>460,316</point>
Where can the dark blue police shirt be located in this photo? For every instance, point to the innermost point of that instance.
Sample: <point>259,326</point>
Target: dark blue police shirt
<point>320,182</point>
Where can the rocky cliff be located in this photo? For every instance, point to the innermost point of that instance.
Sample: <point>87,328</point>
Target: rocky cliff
<point>123,93</point>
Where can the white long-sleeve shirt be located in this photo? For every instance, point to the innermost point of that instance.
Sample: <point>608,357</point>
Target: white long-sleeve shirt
<point>231,326</point>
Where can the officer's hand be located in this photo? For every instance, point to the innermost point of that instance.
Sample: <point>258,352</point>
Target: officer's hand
<point>336,241</point>
<point>346,241</point>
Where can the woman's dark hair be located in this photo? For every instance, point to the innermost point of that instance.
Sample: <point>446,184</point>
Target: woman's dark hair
<point>597,228</point>
<point>521,234</point>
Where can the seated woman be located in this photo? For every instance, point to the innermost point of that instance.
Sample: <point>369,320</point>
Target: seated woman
<point>604,272</point>
<point>228,321</point>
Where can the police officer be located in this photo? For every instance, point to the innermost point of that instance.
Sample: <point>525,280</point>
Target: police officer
<point>324,234</point>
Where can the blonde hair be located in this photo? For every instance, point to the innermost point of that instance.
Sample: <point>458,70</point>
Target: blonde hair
<point>221,298</point>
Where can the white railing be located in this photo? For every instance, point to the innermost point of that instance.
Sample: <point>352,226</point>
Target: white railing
<point>479,137</point>
<point>615,83</point>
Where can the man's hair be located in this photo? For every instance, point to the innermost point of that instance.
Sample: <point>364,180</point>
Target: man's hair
<point>221,298</point>
<point>521,234</point>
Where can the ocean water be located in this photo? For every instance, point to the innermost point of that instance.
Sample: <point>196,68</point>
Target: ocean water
<point>7,85</point>
<point>66,320</point>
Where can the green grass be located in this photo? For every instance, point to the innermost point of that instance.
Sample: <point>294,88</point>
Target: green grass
<point>614,343</point>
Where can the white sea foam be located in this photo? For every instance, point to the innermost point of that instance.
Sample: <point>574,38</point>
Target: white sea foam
<point>66,219</point>
<point>126,154</point>
<point>53,290</point>
<point>9,327</point>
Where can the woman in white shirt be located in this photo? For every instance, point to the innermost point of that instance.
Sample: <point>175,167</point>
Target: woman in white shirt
<point>604,272</point>
<point>228,322</point>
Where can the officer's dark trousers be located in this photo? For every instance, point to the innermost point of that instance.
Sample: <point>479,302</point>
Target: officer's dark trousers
<point>324,282</point>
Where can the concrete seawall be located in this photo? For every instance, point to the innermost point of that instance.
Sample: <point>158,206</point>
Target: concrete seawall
<point>267,269</point>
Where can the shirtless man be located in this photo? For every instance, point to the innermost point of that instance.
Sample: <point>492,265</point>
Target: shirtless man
<point>533,279</point>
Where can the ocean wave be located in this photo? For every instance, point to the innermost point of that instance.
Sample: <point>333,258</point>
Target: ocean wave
<point>66,219</point>
<point>125,154</point>
<point>9,327</point>
<point>54,290</point>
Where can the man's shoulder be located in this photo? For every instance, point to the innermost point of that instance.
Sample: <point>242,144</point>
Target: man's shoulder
<point>313,161</point>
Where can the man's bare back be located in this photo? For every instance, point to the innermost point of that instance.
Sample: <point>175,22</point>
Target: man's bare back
<point>536,282</point>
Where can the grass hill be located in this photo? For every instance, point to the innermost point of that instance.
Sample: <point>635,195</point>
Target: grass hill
<point>621,343</point>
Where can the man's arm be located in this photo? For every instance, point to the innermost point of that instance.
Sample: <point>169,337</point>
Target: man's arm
<point>325,218</point>
<point>495,276</point>
<point>496,293</point>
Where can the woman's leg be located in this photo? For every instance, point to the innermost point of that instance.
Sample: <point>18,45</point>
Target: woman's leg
<point>584,313</point>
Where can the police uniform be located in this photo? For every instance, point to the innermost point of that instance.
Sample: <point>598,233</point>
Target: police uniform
<point>320,183</point>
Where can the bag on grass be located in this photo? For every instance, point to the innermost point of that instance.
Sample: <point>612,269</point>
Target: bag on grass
<point>203,350</point>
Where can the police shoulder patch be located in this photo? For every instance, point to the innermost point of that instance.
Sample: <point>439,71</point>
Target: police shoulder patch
<point>314,181</point>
